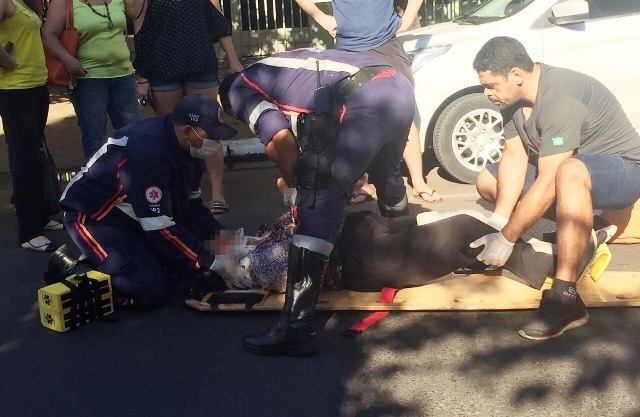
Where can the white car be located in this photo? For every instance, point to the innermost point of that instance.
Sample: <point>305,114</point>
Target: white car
<point>597,37</point>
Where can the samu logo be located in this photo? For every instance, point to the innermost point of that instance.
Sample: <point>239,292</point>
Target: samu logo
<point>194,117</point>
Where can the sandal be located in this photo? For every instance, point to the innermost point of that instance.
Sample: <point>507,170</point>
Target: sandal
<point>48,246</point>
<point>53,225</point>
<point>359,197</point>
<point>429,197</point>
<point>219,207</point>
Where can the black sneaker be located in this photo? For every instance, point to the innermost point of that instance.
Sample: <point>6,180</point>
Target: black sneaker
<point>556,314</point>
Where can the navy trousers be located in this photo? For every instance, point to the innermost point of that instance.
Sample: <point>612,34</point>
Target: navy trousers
<point>137,272</point>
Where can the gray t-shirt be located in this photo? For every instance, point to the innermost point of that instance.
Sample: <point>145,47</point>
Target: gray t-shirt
<point>573,111</point>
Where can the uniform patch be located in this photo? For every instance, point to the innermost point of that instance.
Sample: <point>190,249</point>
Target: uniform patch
<point>557,141</point>
<point>153,194</point>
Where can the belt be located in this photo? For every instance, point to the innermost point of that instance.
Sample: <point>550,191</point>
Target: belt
<point>352,83</point>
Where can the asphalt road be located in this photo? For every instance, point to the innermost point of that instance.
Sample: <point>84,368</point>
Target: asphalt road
<point>178,362</point>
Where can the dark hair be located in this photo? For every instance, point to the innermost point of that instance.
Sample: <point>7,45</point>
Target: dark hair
<point>500,54</point>
<point>224,88</point>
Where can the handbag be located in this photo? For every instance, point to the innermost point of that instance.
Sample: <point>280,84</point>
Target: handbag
<point>58,73</point>
<point>50,182</point>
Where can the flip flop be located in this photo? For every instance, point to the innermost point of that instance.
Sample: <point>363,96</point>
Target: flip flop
<point>219,207</point>
<point>53,225</point>
<point>360,197</point>
<point>427,196</point>
<point>45,247</point>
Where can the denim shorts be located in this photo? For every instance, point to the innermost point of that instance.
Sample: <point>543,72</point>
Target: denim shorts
<point>192,81</point>
<point>615,182</point>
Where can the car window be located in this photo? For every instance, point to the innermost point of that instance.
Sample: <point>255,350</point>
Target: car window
<point>608,8</point>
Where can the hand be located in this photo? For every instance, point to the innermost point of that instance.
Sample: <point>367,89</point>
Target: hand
<point>328,23</point>
<point>236,66</point>
<point>74,67</point>
<point>405,25</point>
<point>233,274</point>
<point>11,64</point>
<point>496,250</point>
<point>143,92</point>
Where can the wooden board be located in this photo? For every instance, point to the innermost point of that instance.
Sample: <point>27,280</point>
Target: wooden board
<point>463,292</point>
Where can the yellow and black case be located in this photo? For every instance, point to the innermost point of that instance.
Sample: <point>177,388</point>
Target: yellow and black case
<point>77,300</point>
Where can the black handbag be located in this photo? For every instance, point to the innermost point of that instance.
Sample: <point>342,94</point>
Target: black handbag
<point>50,182</point>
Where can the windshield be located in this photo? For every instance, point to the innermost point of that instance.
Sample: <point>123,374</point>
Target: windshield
<point>491,10</point>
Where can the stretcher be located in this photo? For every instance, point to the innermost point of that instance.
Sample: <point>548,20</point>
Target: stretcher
<point>499,291</point>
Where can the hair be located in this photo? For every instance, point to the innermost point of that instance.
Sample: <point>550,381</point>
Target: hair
<point>224,88</point>
<point>500,54</point>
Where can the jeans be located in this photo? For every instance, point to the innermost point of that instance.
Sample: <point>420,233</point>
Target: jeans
<point>24,115</point>
<point>94,98</point>
<point>615,182</point>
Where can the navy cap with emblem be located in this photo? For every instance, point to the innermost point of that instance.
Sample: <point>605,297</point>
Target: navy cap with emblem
<point>205,112</point>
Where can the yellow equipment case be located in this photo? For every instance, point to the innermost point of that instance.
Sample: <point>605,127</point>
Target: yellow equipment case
<point>76,300</point>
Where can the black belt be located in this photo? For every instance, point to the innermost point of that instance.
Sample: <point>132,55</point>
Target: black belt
<point>352,83</point>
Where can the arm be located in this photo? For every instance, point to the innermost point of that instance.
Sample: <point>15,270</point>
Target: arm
<point>140,11</point>
<point>538,199</point>
<point>409,15</point>
<point>53,27</point>
<point>7,62</point>
<point>227,46</point>
<point>132,8</point>
<point>327,22</point>
<point>511,177</point>
<point>282,150</point>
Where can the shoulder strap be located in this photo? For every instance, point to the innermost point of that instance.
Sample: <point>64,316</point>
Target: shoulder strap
<point>68,11</point>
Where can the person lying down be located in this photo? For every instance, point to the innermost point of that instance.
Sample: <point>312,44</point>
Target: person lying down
<point>373,252</point>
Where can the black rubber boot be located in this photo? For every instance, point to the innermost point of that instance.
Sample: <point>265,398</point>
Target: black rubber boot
<point>293,334</point>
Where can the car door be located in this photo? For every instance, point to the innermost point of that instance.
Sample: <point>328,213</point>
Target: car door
<point>604,46</point>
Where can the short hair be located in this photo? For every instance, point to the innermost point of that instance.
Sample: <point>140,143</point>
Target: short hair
<point>500,54</point>
<point>224,88</point>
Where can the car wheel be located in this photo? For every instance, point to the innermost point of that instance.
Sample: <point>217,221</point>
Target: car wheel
<point>467,136</point>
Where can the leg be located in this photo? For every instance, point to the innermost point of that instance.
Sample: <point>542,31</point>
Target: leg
<point>123,105</point>
<point>413,159</point>
<point>22,114</point>
<point>583,182</point>
<point>208,85</point>
<point>137,277</point>
<point>166,95</point>
<point>487,184</point>
<point>90,99</point>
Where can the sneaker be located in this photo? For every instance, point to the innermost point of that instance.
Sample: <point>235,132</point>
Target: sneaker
<point>556,314</point>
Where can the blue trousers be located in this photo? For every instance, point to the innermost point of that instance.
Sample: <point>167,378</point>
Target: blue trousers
<point>94,98</point>
<point>371,137</point>
<point>137,271</point>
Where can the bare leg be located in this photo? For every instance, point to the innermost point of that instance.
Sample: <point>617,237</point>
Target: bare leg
<point>214,163</point>
<point>574,217</point>
<point>413,158</point>
<point>165,101</point>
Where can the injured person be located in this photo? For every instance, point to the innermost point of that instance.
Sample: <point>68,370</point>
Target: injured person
<point>373,252</point>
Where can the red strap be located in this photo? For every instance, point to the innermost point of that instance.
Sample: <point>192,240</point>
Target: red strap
<point>386,297</point>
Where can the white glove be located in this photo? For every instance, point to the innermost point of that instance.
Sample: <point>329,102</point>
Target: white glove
<point>496,250</point>
<point>233,274</point>
<point>497,221</point>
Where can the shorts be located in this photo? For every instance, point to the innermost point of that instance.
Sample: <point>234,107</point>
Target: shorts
<point>192,81</point>
<point>615,182</point>
<point>393,54</point>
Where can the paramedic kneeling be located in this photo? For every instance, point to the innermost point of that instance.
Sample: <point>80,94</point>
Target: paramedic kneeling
<point>134,209</point>
<point>569,148</point>
<point>351,113</point>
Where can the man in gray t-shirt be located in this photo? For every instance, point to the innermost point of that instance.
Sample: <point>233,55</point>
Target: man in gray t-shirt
<point>569,148</point>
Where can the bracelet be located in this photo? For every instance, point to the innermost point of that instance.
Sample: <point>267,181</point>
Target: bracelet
<point>142,82</point>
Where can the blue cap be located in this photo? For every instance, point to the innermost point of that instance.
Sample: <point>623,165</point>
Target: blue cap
<point>203,111</point>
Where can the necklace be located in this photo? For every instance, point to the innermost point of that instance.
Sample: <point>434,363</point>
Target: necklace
<point>107,16</point>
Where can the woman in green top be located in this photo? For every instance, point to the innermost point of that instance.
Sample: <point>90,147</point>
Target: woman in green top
<point>102,66</point>
<point>24,107</point>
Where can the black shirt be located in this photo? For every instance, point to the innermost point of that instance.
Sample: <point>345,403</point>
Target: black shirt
<point>177,37</point>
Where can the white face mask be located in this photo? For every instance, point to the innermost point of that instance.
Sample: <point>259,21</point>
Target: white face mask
<point>209,147</point>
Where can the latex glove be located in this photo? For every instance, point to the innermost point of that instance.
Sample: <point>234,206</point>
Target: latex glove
<point>496,250</point>
<point>497,221</point>
<point>233,274</point>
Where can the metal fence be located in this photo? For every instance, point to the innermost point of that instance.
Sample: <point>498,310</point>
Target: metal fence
<point>263,27</point>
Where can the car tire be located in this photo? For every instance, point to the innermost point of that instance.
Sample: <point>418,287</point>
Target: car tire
<point>467,135</point>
